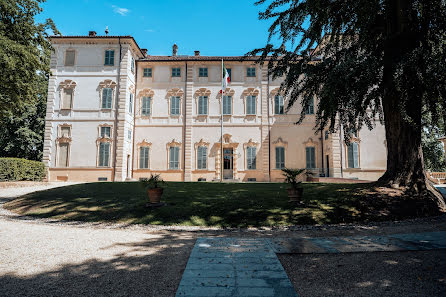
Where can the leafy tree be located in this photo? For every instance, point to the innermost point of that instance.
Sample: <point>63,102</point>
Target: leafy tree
<point>433,151</point>
<point>377,58</point>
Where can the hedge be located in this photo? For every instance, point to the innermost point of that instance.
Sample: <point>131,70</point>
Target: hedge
<point>14,169</point>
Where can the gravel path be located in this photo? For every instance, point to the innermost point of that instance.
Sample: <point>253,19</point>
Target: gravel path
<point>47,258</point>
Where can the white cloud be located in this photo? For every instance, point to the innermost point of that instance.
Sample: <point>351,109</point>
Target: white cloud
<point>120,10</point>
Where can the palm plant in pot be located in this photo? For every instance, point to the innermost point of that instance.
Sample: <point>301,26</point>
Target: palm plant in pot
<point>295,192</point>
<point>154,188</point>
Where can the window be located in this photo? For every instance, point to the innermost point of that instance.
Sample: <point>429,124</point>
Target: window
<point>310,157</point>
<point>176,72</point>
<point>251,105</point>
<point>107,98</point>
<point>310,107</point>
<point>104,154</point>
<point>69,57</point>
<point>67,98</point>
<point>129,134</point>
<point>203,72</point>
<point>65,131</point>
<point>280,157</point>
<point>174,157</point>
<point>146,106</point>
<point>353,155</point>
<point>227,104</point>
<point>63,155</point>
<point>326,135</point>
<point>106,132</point>
<point>147,72</point>
<point>109,58</point>
<point>229,73</point>
<point>132,66</point>
<point>175,105</point>
<point>203,105</point>
<point>251,157</point>
<point>131,104</point>
<point>144,157</point>
<point>202,157</point>
<point>250,72</point>
<point>278,105</point>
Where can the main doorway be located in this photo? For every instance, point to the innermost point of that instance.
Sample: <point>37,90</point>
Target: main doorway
<point>227,163</point>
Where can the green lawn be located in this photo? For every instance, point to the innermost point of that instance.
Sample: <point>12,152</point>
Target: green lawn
<point>199,204</point>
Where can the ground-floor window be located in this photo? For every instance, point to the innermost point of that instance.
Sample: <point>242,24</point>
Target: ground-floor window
<point>144,157</point>
<point>310,153</point>
<point>251,157</point>
<point>104,154</point>
<point>280,157</point>
<point>174,157</point>
<point>353,155</point>
<point>63,155</point>
<point>202,157</point>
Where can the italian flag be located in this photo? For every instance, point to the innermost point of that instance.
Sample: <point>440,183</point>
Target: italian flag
<point>225,77</point>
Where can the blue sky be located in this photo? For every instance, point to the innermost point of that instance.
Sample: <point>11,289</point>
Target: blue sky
<point>215,27</point>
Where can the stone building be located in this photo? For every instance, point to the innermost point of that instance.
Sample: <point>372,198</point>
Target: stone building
<point>116,113</point>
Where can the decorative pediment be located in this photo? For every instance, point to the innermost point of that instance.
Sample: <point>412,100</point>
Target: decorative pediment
<point>227,138</point>
<point>228,92</point>
<point>276,92</point>
<point>280,142</point>
<point>250,92</point>
<point>144,143</point>
<point>175,92</point>
<point>202,92</point>
<point>108,83</point>
<point>250,143</point>
<point>201,143</point>
<point>132,89</point>
<point>173,143</point>
<point>146,93</point>
<point>67,84</point>
<point>310,142</point>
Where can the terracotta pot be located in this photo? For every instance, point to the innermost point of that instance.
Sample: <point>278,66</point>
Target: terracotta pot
<point>295,194</point>
<point>155,195</point>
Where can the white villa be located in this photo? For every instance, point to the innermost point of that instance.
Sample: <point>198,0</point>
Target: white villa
<point>116,113</point>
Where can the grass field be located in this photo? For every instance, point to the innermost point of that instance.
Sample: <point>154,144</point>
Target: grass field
<point>199,204</point>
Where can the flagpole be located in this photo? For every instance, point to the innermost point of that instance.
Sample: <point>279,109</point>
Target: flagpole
<point>221,125</point>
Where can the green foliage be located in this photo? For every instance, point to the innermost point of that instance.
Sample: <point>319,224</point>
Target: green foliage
<point>291,176</point>
<point>24,54</point>
<point>433,150</point>
<point>14,169</point>
<point>155,181</point>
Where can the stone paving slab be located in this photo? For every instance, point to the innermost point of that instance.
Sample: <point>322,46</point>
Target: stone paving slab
<point>353,244</point>
<point>236,267</point>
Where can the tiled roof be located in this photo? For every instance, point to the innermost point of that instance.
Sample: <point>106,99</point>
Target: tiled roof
<point>197,58</point>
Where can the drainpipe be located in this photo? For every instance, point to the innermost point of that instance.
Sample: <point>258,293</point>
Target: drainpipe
<point>322,147</point>
<point>115,137</point>
<point>134,120</point>
<point>184,122</point>
<point>340,148</point>
<point>269,131</point>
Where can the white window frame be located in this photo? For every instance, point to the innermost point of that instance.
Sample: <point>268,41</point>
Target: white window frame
<point>202,159</point>
<point>144,159</point>
<point>175,108</point>
<point>225,108</point>
<point>203,110</point>
<point>251,100</point>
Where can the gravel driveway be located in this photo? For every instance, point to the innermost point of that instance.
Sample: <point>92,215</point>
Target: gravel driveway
<point>39,258</point>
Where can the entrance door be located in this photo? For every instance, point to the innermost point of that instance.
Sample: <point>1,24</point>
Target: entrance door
<point>227,163</point>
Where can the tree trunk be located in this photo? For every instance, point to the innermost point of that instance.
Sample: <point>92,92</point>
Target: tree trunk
<point>405,166</point>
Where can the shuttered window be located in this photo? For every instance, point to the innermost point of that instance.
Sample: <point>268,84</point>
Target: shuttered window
<point>251,157</point>
<point>146,106</point>
<point>63,155</point>
<point>202,157</point>
<point>67,98</point>
<point>176,72</point>
<point>250,72</point>
<point>175,105</point>
<point>203,105</point>
<point>251,105</point>
<point>104,154</point>
<point>107,94</point>
<point>227,104</point>
<point>203,72</point>
<point>280,157</point>
<point>131,104</point>
<point>310,107</point>
<point>278,105</point>
<point>109,58</point>
<point>310,154</point>
<point>174,157</point>
<point>147,72</point>
<point>69,57</point>
<point>353,155</point>
<point>144,157</point>
<point>105,132</point>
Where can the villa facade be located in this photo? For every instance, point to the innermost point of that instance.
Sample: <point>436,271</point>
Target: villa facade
<point>115,113</point>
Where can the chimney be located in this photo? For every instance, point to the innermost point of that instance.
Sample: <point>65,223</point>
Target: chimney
<point>91,33</point>
<point>174,50</point>
<point>144,51</point>
<point>197,53</point>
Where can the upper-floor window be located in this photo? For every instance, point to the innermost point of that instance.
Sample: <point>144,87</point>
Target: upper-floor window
<point>144,157</point>
<point>326,135</point>
<point>310,154</point>
<point>203,105</point>
<point>227,105</point>
<point>280,157</point>
<point>175,105</point>
<point>106,132</point>
<point>203,72</point>
<point>104,154</point>
<point>67,98</point>
<point>129,134</point>
<point>109,58</point>
<point>147,72</point>
<point>107,94</point>
<point>202,157</point>
<point>353,155</point>
<point>278,105</point>
<point>146,106</point>
<point>174,157</point>
<point>131,103</point>
<point>176,72</point>
<point>65,131</point>
<point>251,157</point>
<point>310,107</point>
<point>251,105</point>
<point>132,66</point>
<point>251,72</point>
<point>70,57</point>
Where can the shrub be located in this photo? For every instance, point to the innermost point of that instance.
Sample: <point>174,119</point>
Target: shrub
<point>15,169</point>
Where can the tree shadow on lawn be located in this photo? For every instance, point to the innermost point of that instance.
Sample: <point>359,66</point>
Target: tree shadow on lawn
<point>203,204</point>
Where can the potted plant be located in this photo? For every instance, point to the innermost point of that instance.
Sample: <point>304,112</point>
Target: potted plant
<point>154,188</point>
<point>295,192</point>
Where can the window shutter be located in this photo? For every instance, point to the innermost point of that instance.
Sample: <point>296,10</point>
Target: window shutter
<point>69,57</point>
<point>351,162</point>
<point>356,155</point>
<point>63,155</point>
<point>67,97</point>
<point>276,105</point>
